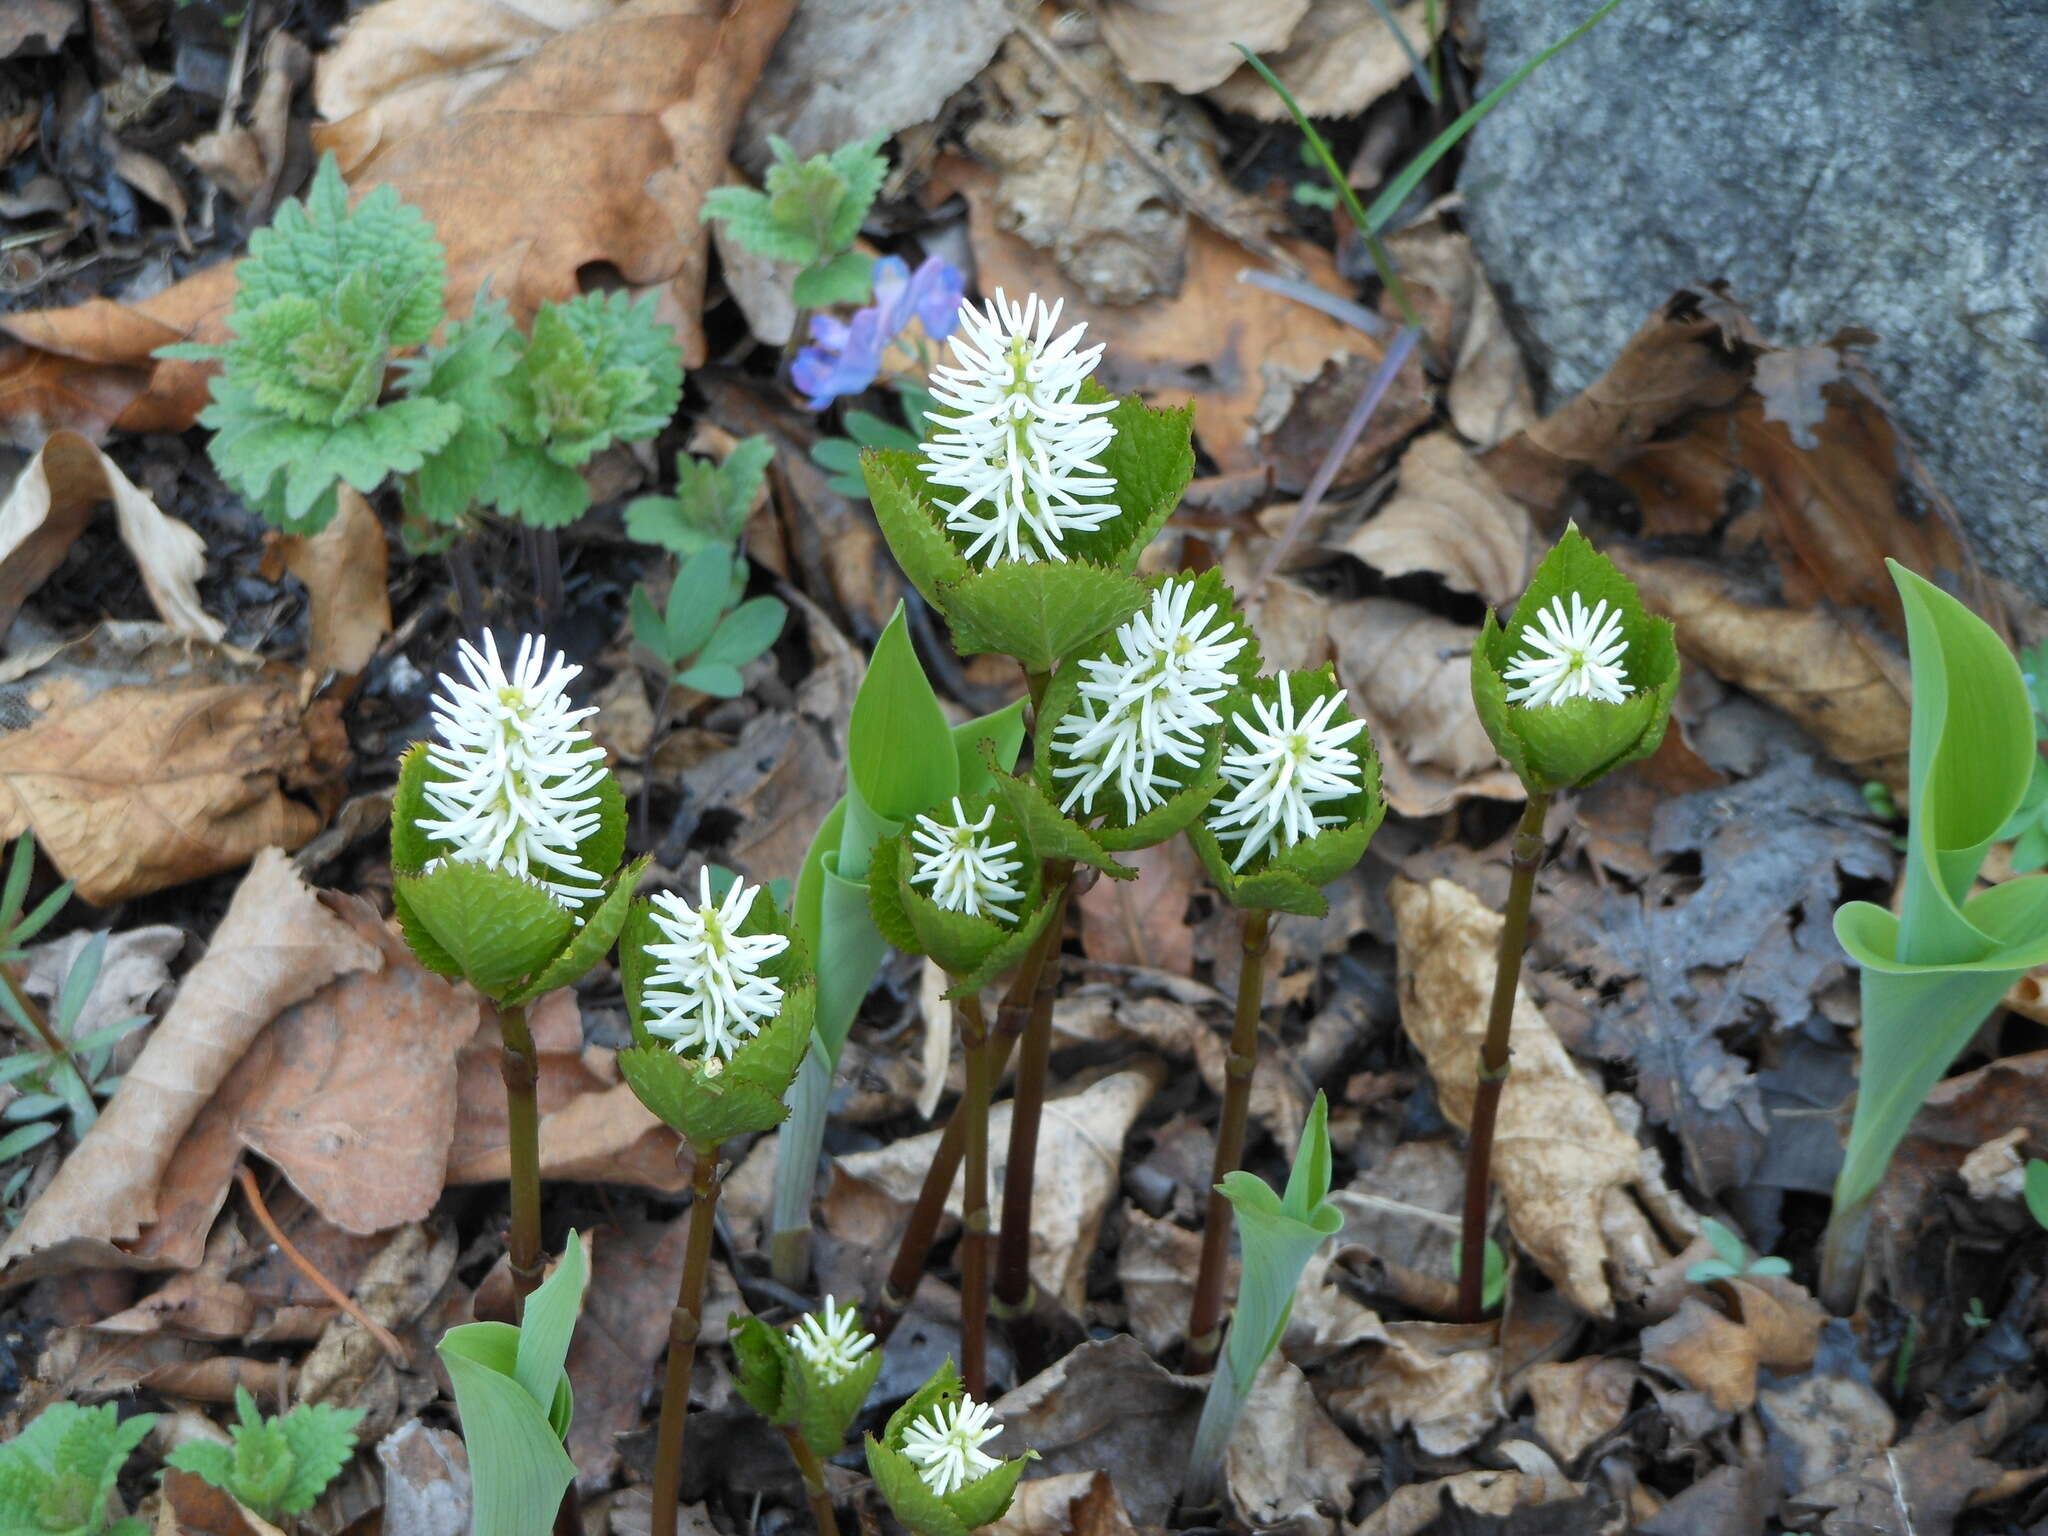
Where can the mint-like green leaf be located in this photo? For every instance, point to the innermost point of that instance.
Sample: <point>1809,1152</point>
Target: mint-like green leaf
<point>750,218</point>
<point>484,926</point>
<point>467,370</point>
<point>58,1474</point>
<point>214,1464</point>
<point>861,168</point>
<point>711,502</point>
<point>321,1438</point>
<point>847,278</point>
<point>293,465</point>
<point>599,369</point>
<point>528,486</point>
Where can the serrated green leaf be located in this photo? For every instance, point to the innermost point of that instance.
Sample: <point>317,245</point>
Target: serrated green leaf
<point>267,456</point>
<point>749,219</point>
<point>1050,834</point>
<point>907,1495</point>
<point>885,899</point>
<point>57,1475</point>
<point>528,486</point>
<point>761,1364</point>
<point>1040,613</point>
<point>823,1410</point>
<point>861,166</point>
<point>843,279</point>
<point>911,524</point>
<point>467,369</point>
<point>1151,458</point>
<point>745,632</point>
<point>214,1464</point>
<point>987,1499</point>
<point>600,929</point>
<point>485,926</point>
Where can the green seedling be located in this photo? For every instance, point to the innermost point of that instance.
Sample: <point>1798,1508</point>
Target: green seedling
<point>278,1466</point>
<point>840,456</point>
<point>57,1476</point>
<point>711,501</point>
<point>810,1381</point>
<point>707,633</point>
<point>809,213</point>
<point>1731,1259</point>
<point>929,1467</point>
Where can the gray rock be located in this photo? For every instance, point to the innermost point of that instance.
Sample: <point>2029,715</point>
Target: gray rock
<point>1881,163</point>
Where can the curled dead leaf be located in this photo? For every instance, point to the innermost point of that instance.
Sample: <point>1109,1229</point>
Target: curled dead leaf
<point>1288,1467</point>
<point>1340,59</point>
<point>1447,518</point>
<point>1191,44</point>
<point>345,567</point>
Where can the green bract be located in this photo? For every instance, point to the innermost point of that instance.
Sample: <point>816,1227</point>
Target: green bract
<point>785,1387</point>
<point>910,1498</point>
<point>516,1404</point>
<point>1292,879</point>
<point>1040,612</point>
<point>710,1101</point>
<point>323,300</point>
<point>57,1476</point>
<point>1932,973</point>
<point>277,1467</point>
<point>1557,746</point>
<point>597,370</point>
<point>973,951</point>
<point>504,935</point>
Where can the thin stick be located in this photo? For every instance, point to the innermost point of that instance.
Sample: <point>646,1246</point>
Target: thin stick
<point>1493,1059</point>
<point>974,1039</point>
<point>386,1339</point>
<point>1013,1248</point>
<point>685,1324</point>
<point>519,1066</point>
<point>922,1229</point>
<point>1205,1313</point>
<point>814,1481</point>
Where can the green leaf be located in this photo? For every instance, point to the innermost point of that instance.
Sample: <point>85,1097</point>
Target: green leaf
<point>912,524</point>
<point>517,1466</point>
<point>598,369</point>
<point>716,678</point>
<point>290,467</point>
<point>1050,834</point>
<point>1152,459</point>
<point>761,1361</point>
<point>530,487</point>
<point>870,431</point>
<point>909,1498</point>
<point>1726,1245</point>
<point>649,629</point>
<point>899,748</point>
<point>750,219</point>
<point>57,1475</point>
<point>546,1323</point>
<point>1041,613</point>
<point>745,632</point>
<point>2037,1191</point>
<point>1278,1237</point>
<point>214,1464</point>
<point>823,1410</point>
<point>847,278</point>
<point>599,930</point>
<point>484,926</point>
<point>696,600</point>
<point>466,369</point>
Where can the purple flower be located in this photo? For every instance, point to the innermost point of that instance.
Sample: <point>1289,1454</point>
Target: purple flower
<point>845,355</point>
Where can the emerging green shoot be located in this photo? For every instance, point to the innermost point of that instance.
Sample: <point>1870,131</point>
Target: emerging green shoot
<point>1731,1259</point>
<point>809,213</point>
<point>57,1476</point>
<point>275,1466</point>
<point>929,1465</point>
<point>711,501</point>
<point>2027,828</point>
<point>707,634</point>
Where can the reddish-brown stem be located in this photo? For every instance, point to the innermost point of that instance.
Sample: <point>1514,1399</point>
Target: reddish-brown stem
<point>1493,1059</point>
<point>1034,1053</point>
<point>386,1340</point>
<point>922,1229</point>
<point>685,1323</point>
<point>814,1481</point>
<point>40,1022</point>
<point>519,1066</point>
<point>974,1255</point>
<point>1205,1313</point>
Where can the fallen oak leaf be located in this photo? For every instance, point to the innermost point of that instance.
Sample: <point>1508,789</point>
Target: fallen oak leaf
<point>52,501</point>
<point>276,946</point>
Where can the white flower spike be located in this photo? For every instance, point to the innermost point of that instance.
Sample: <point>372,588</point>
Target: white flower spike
<point>945,1445</point>
<point>967,873</point>
<point>831,1340</point>
<point>1572,657</point>
<point>1285,771</point>
<point>517,777</point>
<point>1013,438</point>
<point>1150,698</point>
<point>705,994</point>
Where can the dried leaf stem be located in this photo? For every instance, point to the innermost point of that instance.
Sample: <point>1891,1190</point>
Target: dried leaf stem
<point>519,1066</point>
<point>685,1324</point>
<point>1205,1312</point>
<point>1493,1059</point>
<point>386,1339</point>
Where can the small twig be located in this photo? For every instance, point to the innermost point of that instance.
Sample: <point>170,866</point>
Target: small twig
<point>386,1339</point>
<point>1196,202</point>
<point>230,103</point>
<point>1317,297</point>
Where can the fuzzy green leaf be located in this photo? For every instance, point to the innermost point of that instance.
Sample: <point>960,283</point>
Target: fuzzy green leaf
<point>847,278</point>
<point>1041,613</point>
<point>58,1474</point>
<point>528,486</point>
<point>750,219</point>
<point>487,927</point>
<point>761,1357</point>
<point>467,369</point>
<point>597,370</point>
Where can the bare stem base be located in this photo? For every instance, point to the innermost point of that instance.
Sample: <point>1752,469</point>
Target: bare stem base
<point>685,1325</point>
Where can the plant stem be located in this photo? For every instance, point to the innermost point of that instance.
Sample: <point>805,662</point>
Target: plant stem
<point>922,1229</point>
<point>974,1039</point>
<point>1493,1059</point>
<point>26,1007</point>
<point>814,1481</point>
<point>1841,1256</point>
<point>1013,1250</point>
<point>547,548</point>
<point>685,1323</point>
<point>1205,1312</point>
<point>519,1065</point>
<point>469,596</point>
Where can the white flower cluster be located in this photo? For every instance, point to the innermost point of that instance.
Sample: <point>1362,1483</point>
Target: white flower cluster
<point>705,994</point>
<point>1286,769</point>
<point>946,1445</point>
<point>831,1340</point>
<point>516,776</point>
<point>1013,438</point>
<point>966,871</point>
<point>1149,699</point>
<point>1572,656</point>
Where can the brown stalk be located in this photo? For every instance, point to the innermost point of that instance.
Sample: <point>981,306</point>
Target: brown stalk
<point>814,1481</point>
<point>386,1339</point>
<point>1013,1250</point>
<point>519,1066</point>
<point>685,1324</point>
<point>1205,1312</point>
<point>974,1254</point>
<point>1493,1059</point>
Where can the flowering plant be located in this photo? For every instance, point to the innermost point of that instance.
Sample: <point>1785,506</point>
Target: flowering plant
<point>809,1381</point>
<point>845,355</point>
<point>929,1464</point>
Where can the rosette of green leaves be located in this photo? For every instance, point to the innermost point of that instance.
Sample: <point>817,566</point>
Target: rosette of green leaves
<point>909,1496</point>
<point>1931,973</point>
<point>973,951</point>
<point>467,369</point>
<point>323,300</point>
<point>1292,879</point>
<point>1279,1234</point>
<point>502,933</point>
<point>809,214</point>
<point>901,758</point>
<point>516,1403</point>
<point>597,370</point>
<point>705,1101</point>
<point>786,1387</point>
<point>58,1475</point>
<point>1557,746</point>
<point>1040,611</point>
<point>275,1466</point>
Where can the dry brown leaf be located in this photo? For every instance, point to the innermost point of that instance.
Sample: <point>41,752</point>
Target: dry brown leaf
<point>345,568</point>
<point>1288,1467</point>
<point>1579,1401</point>
<point>1439,1380</point>
<point>1065,1504</point>
<point>1419,1507</point>
<point>1448,518</point>
<point>1240,353</point>
<point>1561,1163</point>
<point>350,1094</point>
<point>150,760</point>
<point>1410,674</point>
<point>41,23</point>
<point>1191,44</point>
<point>1339,61</point>
<point>51,503</point>
<point>1703,1349</point>
<point>619,1336</point>
<point>1156,1263</point>
<point>1144,921</point>
<point>276,946</point>
<point>426,1481</point>
<point>246,162</point>
<point>1081,1137</point>
<point>591,1126</point>
<point>396,1289</point>
<point>190,1503</point>
<point>1489,396</point>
